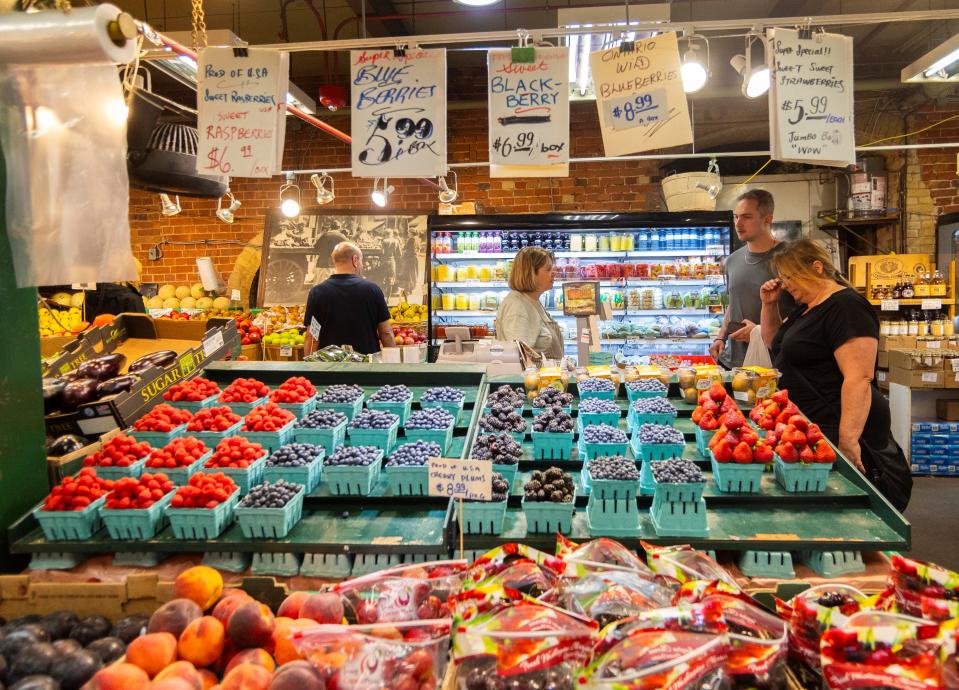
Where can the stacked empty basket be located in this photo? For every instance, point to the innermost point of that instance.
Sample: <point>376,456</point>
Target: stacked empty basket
<point>612,510</point>
<point>679,509</point>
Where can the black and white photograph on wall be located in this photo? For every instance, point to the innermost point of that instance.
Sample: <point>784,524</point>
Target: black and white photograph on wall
<point>296,253</point>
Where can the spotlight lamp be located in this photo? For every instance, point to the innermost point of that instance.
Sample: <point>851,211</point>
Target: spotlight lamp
<point>449,194</point>
<point>324,195</point>
<point>381,192</point>
<point>290,204</point>
<point>755,74</point>
<point>695,68</point>
<point>169,207</point>
<point>227,215</point>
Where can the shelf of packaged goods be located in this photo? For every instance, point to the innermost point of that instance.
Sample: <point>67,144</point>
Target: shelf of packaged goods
<point>915,301</point>
<point>632,254</point>
<point>642,341</point>
<point>620,283</point>
<point>466,314</point>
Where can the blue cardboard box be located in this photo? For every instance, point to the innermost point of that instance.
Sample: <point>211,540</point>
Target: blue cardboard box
<point>920,451</point>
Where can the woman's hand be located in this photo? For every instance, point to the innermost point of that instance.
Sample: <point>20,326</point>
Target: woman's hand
<point>853,453</point>
<point>771,291</point>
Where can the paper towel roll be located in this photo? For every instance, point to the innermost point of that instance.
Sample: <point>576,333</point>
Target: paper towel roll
<point>81,36</point>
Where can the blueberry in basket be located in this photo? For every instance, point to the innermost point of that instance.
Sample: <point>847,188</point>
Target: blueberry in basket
<point>443,394</point>
<point>613,468</point>
<point>593,385</point>
<point>397,394</point>
<point>653,406</point>
<point>553,420</point>
<point>603,433</point>
<point>358,456</point>
<point>501,449</point>
<point>341,393</point>
<point>294,455</point>
<point>267,495</point>
<point>598,406</point>
<point>647,386</point>
<point>374,419</point>
<point>321,419</point>
<point>429,418</point>
<point>514,397</point>
<point>551,485</point>
<point>677,472</point>
<point>548,397</point>
<point>414,454</point>
<point>502,417</point>
<point>659,433</point>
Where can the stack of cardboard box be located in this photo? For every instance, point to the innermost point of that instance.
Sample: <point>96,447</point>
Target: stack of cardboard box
<point>918,362</point>
<point>935,448</point>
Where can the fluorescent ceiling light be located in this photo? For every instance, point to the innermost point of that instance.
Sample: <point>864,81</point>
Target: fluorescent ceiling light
<point>939,64</point>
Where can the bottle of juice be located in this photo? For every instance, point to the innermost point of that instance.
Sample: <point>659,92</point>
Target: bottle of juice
<point>462,301</point>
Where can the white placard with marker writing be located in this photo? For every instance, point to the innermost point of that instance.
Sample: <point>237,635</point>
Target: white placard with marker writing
<point>470,480</point>
<point>811,98</point>
<point>640,98</point>
<point>398,112</point>
<point>241,111</point>
<point>528,113</point>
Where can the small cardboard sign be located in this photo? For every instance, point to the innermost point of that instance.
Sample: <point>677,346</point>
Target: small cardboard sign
<point>470,480</point>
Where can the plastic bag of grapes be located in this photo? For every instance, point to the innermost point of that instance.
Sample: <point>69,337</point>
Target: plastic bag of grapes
<point>599,554</point>
<point>611,595</point>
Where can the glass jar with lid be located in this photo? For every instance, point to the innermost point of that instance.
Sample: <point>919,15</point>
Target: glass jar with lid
<point>590,243</point>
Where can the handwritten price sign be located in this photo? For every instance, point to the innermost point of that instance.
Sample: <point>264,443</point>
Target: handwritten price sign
<point>398,113</point>
<point>471,480</point>
<point>635,111</point>
<point>241,112</point>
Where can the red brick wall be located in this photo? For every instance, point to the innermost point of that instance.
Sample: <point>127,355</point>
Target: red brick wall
<point>620,185</point>
<point>938,166</point>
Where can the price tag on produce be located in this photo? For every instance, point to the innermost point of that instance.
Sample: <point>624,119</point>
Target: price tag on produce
<point>632,340</point>
<point>470,480</point>
<point>584,337</point>
<point>84,286</point>
<point>286,350</point>
<point>235,295</point>
<point>889,305</point>
<point>398,112</point>
<point>212,344</point>
<point>241,110</point>
<point>931,304</point>
<point>315,328</point>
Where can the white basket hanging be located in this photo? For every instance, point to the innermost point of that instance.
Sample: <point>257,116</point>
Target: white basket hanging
<point>693,191</point>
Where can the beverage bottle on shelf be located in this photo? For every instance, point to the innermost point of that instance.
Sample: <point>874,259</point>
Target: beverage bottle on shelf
<point>922,284</point>
<point>948,326</point>
<point>913,323</point>
<point>603,242</point>
<point>936,325</point>
<point>689,239</point>
<point>629,241</point>
<point>615,242</point>
<point>908,291</point>
<point>575,242</point>
<point>938,287</point>
<point>897,290</point>
<point>497,242</point>
<point>724,238</point>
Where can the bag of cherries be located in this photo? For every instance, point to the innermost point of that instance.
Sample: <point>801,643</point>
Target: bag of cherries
<point>598,554</point>
<point>922,588</point>
<point>683,562</point>
<point>813,612</point>
<point>607,596</point>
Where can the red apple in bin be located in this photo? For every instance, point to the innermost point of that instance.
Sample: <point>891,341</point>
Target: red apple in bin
<point>407,336</point>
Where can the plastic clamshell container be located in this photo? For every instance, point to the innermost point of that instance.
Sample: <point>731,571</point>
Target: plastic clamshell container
<point>611,489</point>
<point>211,438</point>
<point>546,517</point>
<point>157,439</point>
<point>442,437</point>
<point>136,523</point>
<point>202,523</point>
<point>586,419</point>
<point>384,439</point>
<point>453,408</point>
<point>400,409</point>
<point>801,478</point>
<point>408,480</point>
<point>300,409</point>
<point>193,406</point>
<point>484,517</point>
<point>181,475</point>
<point>70,525</point>
<point>271,440</point>
<point>330,439</point>
<point>113,472</point>
<point>352,480</point>
<point>244,408</point>
<point>656,451</point>
<point>552,445</point>
<point>735,478</point>
<point>350,409</point>
<point>595,450</point>
<point>271,523</point>
<point>244,477</point>
<point>308,475</point>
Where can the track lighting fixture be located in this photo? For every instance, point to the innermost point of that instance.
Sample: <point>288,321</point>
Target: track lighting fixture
<point>695,68</point>
<point>381,192</point>
<point>323,195</point>
<point>227,215</point>
<point>449,194</point>
<point>755,73</point>
<point>168,206</point>
<point>290,205</point>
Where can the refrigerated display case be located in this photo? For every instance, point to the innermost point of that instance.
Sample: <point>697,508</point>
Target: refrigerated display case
<point>661,273</point>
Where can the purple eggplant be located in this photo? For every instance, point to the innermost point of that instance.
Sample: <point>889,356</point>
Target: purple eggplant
<point>78,392</point>
<point>118,384</point>
<point>103,367</point>
<point>52,394</point>
<point>161,358</point>
<point>65,444</point>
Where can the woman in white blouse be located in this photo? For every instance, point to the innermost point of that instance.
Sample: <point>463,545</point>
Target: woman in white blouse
<point>521,315</point>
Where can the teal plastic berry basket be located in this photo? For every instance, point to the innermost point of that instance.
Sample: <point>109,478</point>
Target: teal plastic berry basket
<point>589,451</point>
<point>442,437</point>
<point>585,419</point>
<point>656,451</point>
<point>138,524</point>
<point>308,475</point>
<point>193,406</point>
<point>702,440</point>
<point>517,408</point>
<point>300,409</point>
<point>330,439</point>
<point>551,445</point>
<point>244,477</point>
<point>632,395</point>
<point>407,480</point>
<point>612,518</point>
<point>602,395</point>
<point>453,408</point>
<point>732,478</point>
<point>271,523</point>
<point>677,492</point>
<point>181,475</point>
<point>133,470</point>
<point>481,517</point>
<point>546,517</point>
<point>611,489</point>
<point>202,523</point>
<point>211,438</point>
<point>350,409</point>
<point>70,525</point>
<point>634,419</point>
<point>244,408</point>
<point>801,478</point>
<point>271,440</point>
<point>158,439</point>
<point>539,410</point>
<point>647,484</point>
<point>352,480</point>
<point>384,439</point>
<point>680,519</point>
<point>400,409</point>
<point>508,472</point>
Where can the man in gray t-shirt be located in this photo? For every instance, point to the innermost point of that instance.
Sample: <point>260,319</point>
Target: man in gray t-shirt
<point>746,270</point>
